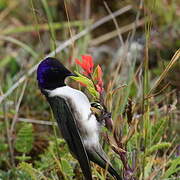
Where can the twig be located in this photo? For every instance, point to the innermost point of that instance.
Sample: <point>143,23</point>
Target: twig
<point>161,110</point>
<point>114,33</point>
<point>136,20</point>
<point>116,24</point>
<point>69,26</point>
<point>17,108</point>
<point>37,121</point>
<point>40,27</point>
<point>87,10</point>
<point>8,135</point>
<point>64,45</point>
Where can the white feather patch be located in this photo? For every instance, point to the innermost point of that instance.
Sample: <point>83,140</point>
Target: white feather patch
<point>87,121</point>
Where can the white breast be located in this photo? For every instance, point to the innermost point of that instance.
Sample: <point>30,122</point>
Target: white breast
<point>87,120</point>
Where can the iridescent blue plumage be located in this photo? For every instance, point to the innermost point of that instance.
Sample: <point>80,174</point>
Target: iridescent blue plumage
<point>51,74</point>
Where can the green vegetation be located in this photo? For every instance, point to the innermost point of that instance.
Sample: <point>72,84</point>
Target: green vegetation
<point>140,76</point>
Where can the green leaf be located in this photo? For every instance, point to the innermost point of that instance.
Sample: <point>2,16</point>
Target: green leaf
<point>3,4</point>
<point>5,61</point>
<point>11,63</point>
<point>35,174</point>
<point>29,170</point>
<point>173,168</point>
<point>83,79</point>
<point>14,174</point>
<point>93,92</point>
<point>147,169</point>
<point>23,158</point>
<point>25,139</point>
<point>157,147</point>
<point>3,146</point>
<point>66,167</point>
<point>158,129</point>
<point>88,84</point>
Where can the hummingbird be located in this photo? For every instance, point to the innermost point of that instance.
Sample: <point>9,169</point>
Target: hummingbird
<point>72,110</point>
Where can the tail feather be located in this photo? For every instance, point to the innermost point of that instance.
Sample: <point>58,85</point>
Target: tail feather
<point>113,172</point>
<point>97,157</point>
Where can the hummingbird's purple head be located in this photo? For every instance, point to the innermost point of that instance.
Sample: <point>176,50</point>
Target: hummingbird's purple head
<point>51,74</point>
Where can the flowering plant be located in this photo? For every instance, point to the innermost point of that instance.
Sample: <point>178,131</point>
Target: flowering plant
<point>91,78</point>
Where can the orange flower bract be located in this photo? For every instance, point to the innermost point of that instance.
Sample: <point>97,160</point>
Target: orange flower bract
<point>99,85</point>
<point>86,64</point>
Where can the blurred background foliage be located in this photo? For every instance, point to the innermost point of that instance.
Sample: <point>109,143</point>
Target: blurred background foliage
<point>133,54</point>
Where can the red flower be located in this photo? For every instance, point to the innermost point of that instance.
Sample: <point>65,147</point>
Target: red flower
<point>99,85</point>
<point>87,64</point>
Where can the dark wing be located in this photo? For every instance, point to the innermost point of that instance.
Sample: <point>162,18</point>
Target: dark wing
<point>98,156</point>
<point>69,131</point>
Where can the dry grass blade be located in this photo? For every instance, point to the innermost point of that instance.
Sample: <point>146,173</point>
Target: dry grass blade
<point>115,22</point>
<point>158,93</point>
<point>5,13</point>
<point>35,121</point>
<point>41,27</point>
<point>163,75</point>
<point>115,33</point>
<point>131,132</point>
<point>8,135</point>
<point>21,44</point>
<point>17,108</point>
